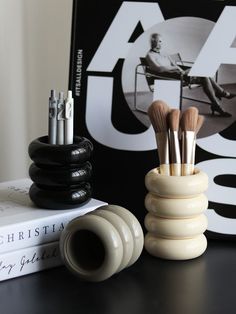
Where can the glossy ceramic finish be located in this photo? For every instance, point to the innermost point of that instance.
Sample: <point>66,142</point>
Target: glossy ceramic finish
<point>61,173</point>
<point>175,228</point>
<point>124,233</point>
<point>176,208</point>
<point>174,249</point>
<point>175,222</point>
<point>101,243</point>
<point>176,187</point>
<point>60,176</point>
<point>69,198</point>
<point>134,227</point>
<point>112,250</point>
<point>58,155</point>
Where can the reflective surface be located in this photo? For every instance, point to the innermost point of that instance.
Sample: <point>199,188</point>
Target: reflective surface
<point>203,285</point>
<point>46,154</point>
<point>61,173</point>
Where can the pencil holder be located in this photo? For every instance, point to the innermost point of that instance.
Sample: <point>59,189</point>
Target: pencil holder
<point>101,243</point>
<point>61,173</point>
<point>175,221</point>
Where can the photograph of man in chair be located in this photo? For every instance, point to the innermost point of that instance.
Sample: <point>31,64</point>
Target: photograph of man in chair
<point>162,65</point>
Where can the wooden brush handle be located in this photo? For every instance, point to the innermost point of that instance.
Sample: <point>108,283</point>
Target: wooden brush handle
<point>175,170</point>
<point>165,169</point>
<point>188,150</point>
<point>187,169</point>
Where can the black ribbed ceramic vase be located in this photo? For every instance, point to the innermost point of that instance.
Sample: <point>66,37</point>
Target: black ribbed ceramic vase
<point>61,173</point>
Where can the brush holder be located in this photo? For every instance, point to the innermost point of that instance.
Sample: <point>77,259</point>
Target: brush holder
<point>61,173</point>
<point>101,243</point>
<point>175,221</point>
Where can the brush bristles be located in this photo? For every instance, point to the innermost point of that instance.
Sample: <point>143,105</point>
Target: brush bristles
<point>173,119</point>
<point>157,113</point>
<point>167,124</point>
<point>200,121</point>
<point>189,119</point>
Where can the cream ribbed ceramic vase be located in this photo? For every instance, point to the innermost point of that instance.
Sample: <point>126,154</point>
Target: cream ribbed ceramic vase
<point>175,221</point>
<point>101,243</point>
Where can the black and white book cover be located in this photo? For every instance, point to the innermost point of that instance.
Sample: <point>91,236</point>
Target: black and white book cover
<point>109,41</point>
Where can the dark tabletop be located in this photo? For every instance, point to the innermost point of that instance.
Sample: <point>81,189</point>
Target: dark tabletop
<point>203,285</point>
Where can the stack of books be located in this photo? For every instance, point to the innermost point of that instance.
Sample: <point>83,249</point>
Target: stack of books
<point>29,236</point>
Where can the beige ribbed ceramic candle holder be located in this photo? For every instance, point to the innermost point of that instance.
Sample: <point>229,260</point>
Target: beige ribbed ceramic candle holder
<point>101,243</point>
<point>175,221</point>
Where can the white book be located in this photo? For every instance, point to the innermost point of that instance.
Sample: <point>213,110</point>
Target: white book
<point>29,260</point>
<point>23,225</point>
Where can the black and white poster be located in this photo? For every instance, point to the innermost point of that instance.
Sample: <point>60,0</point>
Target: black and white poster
<point>109,43</point>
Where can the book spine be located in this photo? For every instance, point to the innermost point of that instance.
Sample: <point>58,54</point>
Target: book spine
<point>29,260</point>
<point>38,231</point>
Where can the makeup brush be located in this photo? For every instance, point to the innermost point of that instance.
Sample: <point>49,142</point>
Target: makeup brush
<point>175,158</point>
<point>157,113</point>
<point>188,123</point>
<point>200,121</point>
